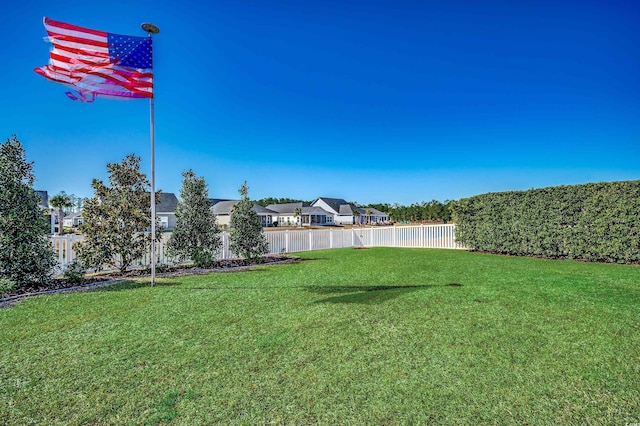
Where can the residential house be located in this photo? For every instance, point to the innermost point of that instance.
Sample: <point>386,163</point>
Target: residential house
<point>166,210</point>
<point>44,204</point>
<point>309,215</point>
<point>369,215</point>
<point>344,213</point>
<point>224,208</point>
<point>73,220</point>
<point>340,210</point>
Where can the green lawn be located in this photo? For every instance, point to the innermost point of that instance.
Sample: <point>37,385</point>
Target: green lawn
<point>349,336</point>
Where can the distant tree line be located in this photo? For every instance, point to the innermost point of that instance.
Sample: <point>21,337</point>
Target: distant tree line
<point>425,211</point>
<point>264,202</point>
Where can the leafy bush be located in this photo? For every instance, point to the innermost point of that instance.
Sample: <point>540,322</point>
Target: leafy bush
<point>160,268</point>
<point>115,218</point>
<point>595,222</point>
<point>196,235</point>
<point>246,238</point>
<point>7,286</point>
<point>75,272</point>
<point>26,254</point>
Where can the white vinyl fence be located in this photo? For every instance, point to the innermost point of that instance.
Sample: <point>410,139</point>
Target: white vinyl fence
<point>422,236</point>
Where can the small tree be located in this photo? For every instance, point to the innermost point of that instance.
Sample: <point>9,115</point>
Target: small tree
<point>297,213</point>
<point>117,217</point>
<point>246,238</point>
<point>356,214</point>
<point>196,235</point>
<point>59,202</point>
<point>26,254</point>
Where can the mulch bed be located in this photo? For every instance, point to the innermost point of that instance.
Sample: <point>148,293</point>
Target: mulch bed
<point>60,285</point>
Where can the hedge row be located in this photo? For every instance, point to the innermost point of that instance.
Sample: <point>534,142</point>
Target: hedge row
<point>596,222</point>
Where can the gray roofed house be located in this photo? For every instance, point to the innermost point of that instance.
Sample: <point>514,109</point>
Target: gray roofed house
<point>310,215</point>
<point>166,210</point>
<point>223,209</point>
<point>370,215</point>
<point>286,207</point>
<point>340,209</point>
<point>343,212</point>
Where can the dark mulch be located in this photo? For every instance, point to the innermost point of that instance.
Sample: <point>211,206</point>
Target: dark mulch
<point>59,284</point>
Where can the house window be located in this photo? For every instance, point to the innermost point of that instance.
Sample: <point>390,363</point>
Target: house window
<point>164,222</point>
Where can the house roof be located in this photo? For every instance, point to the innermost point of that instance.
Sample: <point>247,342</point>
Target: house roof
<point>168,203</point>
<point>334,203</point>
<point>345,209</point>
<point>314,210</point>
<point>372,211</point>
<point>223,206</point>
<point>286,208</point>
<point>262,210</point>
<point>226,206</point>
<point>338,205</point>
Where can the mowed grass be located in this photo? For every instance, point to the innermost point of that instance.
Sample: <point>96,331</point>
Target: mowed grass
<point>375,336</point>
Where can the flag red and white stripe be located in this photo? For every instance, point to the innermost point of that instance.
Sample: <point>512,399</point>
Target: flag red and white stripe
<point>96,63</point>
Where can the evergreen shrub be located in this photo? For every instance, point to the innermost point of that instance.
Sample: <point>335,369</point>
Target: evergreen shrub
<point>595,222</point>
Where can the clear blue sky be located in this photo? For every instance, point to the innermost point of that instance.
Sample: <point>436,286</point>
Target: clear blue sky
<point>371,101</point>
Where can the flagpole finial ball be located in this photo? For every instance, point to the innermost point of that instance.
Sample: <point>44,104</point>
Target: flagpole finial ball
<point>150,28</point>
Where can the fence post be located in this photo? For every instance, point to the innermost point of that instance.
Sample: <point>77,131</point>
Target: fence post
<point>394,236</point>
<point>286,240</point>
<point>310,240</point>
<point>330,238</point>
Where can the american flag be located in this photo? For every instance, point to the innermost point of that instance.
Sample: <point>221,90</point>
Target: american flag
<point>95,63</point>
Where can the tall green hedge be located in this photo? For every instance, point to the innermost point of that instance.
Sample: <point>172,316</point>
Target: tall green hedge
<point>596,222</point>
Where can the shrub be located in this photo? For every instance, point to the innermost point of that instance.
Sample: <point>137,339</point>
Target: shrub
<point>26,254</point>
<point>75,272</point>
<point>7,286</point>
<point>596,222</point>
<point>116,216</point>
<point>196,235</point>
<point>246,238</point>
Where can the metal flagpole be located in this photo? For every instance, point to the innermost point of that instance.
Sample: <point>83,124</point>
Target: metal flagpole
<point>152,29</point>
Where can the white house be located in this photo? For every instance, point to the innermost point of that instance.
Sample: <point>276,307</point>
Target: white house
<point>369,215</point>
<point>345,213</point>
<point>341,211</point>
<point>287,215</point>
<point>73,220</point>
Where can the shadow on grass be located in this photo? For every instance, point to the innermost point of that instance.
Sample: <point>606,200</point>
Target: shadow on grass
<point>366,294</point>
